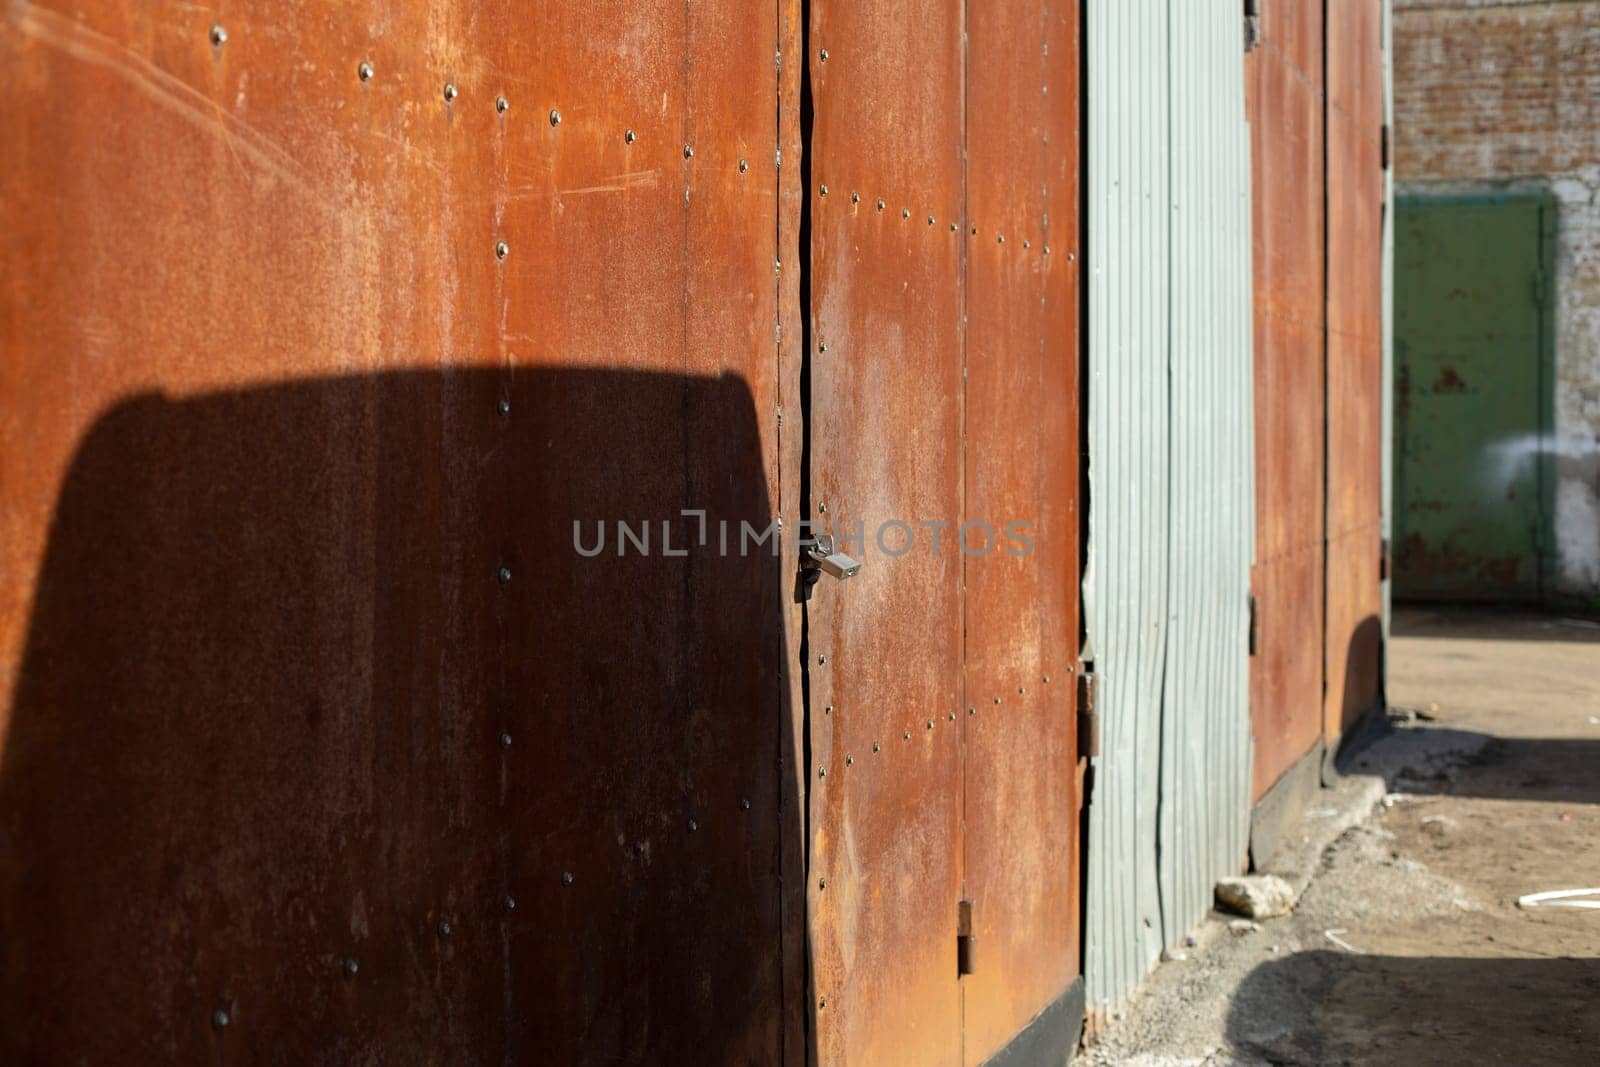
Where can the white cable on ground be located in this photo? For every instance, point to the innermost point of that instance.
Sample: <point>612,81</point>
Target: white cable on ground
<point>1560,898</point>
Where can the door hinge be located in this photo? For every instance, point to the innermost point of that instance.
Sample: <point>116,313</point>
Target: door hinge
<point>966,943</point>
<point>1088,716</point>
<point>1385,152</point>
<point>1383,560</point>
<point>1255,626</point>
<point>1252,24</point>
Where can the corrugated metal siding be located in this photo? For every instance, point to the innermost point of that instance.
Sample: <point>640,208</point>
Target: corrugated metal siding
<point>1205,721</point>
<point>1125,585</point>
<point>1171,472</point>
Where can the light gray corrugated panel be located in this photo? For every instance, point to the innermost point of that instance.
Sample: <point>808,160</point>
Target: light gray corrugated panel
<point>1125,587</point>
<point>1205,717</point>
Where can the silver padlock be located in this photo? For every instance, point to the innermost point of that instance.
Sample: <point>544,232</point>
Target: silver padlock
<point>820,556</point>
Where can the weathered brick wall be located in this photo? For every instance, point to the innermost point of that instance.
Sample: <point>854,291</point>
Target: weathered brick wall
<point>1506,96</point>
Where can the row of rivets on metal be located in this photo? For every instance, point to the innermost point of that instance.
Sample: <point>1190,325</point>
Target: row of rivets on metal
<point>365,71</point>
<point>905,213</point>
<point>928,724</point>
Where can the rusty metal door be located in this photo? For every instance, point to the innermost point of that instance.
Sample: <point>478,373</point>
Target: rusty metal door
<point>1285,107</point>
<point>1353,125</point>
<point>322,326</point>
<point>942,199</point>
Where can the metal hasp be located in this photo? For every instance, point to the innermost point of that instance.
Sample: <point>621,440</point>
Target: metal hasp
<point>1088,716</point>
<point>819,558</point>
<point>966,943</point>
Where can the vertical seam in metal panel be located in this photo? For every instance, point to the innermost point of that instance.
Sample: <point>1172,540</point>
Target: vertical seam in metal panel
<point>781,681</point>
<point>962,278</point>
<point>1327,440</point>
<point>803,257</point>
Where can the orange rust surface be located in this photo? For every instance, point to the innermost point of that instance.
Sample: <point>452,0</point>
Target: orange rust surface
<point>1021,799</point>
<point>1284,97</point>
<point>944,389</point>
<point>1354,122</point>
<point>885,648</point>
<point>281,741</point>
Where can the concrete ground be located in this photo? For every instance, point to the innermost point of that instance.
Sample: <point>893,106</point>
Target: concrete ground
<point>1408,946</point>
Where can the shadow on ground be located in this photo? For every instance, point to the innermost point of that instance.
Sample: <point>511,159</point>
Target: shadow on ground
<point>1441,761</point>
<point>1322,1007</point>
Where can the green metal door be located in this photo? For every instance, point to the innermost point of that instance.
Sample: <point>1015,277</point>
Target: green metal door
<point>1472,395</point>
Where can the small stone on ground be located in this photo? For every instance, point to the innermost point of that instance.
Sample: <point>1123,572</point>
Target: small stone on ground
<point>1256,896</point>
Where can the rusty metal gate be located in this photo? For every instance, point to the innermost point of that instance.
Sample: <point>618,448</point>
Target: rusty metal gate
<point>1287,156</point>
<point>1353,124</point>
<point>942,195</point>
<point>392,393</point>
<point>323,326</point>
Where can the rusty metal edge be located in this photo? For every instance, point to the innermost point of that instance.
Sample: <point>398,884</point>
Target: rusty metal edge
<point>1051,1036</point>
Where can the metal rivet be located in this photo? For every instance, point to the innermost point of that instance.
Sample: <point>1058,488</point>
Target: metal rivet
<point>972,709</point>
<point>364,71</point>
<point>744,165</point>
<point>849,761</point>
<point>509,903</point>
<point>906,736</point>
<point>822,883</point>
<point>744,805</point>
<point>930,724</point>
<point>1021,691</point>
<point>855,198</point>
<point>688,151</point>
<point>877,747</point>
<point>505,740</point>
<point>822,772</point>
<point>880,203</point>
<point>1047,679</point>
<point>501,250</point>
<point>905,213</point>
<point>828,710</point>
<point>555,117</point>
<point>822,190</point>
<point>822,506</point>
<point>1026,244</point>
<point>1071,256</point>
<point>449,91</point>
<point>822,659</point>
<point>693,825</point>
<point>1047,250</point>
<point>504,407</point>
<point>951,716</point>
<point>822,1002</point>
<point>504,575</point>
<point>1000,238</point>
<point>824,55</point>
<point>444,928</point>
<point>930,220</point>
<point>997,700</point>
<point>501,103</point>
<point>350,965</point>
<point>566,877</point>
<point>219,37</point>
<point>974,230</point>
<point>952,227</point>
<point>628,136</point>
